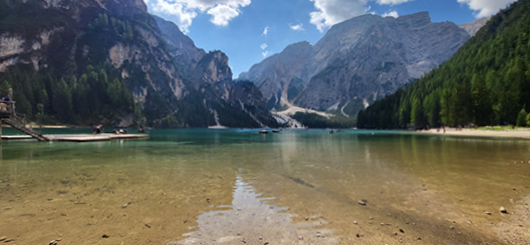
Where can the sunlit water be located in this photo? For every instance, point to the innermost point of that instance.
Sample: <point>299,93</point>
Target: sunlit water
<point>234,186</point>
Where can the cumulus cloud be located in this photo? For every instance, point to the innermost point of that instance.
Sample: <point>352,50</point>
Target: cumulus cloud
<point>265,54</point>
<point>222,14</point>
<point>266,31</point>
<point>484,8</point>
<point>330,12</point>
<point>264,46</point>
<point>222,11</point>
<point>299,27</point>
<point>391,2</point>
<point>391,14</point>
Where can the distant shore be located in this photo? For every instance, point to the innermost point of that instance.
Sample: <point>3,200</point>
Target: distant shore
<point>507,133</point>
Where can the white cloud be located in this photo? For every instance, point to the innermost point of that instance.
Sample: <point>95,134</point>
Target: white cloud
<point>391,2</point>
<point>391,14</point>
<point>184,17</point>
<point>222,11</point>
<point>299,27</point>
<point>265,54</point>
<point>222,14</point>
<point>266,31</point>
<point>264,46</point>
<point>485,8</point>
<point>330,12</point>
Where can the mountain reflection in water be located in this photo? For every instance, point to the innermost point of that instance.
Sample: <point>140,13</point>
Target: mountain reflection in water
<point>252,220</point>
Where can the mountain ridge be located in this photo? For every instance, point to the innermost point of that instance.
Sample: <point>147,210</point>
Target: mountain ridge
<point>341,72</point>
<point>112,54</point>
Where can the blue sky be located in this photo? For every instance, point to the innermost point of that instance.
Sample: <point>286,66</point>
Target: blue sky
<point>250,30</point>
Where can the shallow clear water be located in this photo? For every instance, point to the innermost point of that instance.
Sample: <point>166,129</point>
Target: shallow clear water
<point>308,182</point>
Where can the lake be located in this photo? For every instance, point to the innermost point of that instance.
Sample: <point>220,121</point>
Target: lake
<point>232,186</point>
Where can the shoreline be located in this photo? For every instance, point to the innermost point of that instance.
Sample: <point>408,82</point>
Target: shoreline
<point>517,134</point>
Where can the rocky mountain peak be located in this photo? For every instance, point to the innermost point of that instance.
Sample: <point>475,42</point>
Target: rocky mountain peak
<point>415,20</point>
<point>473,27</point>
<point>213,68</point>
<point>233,104</point>
<point>356,62</point>
<point>299,48</point>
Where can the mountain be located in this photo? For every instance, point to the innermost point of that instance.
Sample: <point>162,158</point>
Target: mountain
<point>487,82</point>
<point>282,75</point>
<point>93,61</point>
<point>357,62</point>
<point>473,27</point>
<point>233,104</point>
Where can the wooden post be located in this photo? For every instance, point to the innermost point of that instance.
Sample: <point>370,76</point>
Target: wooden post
<point>11,103</point>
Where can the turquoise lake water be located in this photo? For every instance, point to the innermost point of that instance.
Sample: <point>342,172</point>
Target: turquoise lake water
<point>225,186</point>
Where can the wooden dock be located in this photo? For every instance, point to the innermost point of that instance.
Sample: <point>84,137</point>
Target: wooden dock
<point>80,137</point>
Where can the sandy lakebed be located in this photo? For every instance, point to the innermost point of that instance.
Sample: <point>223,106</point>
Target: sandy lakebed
<point>297,187</point>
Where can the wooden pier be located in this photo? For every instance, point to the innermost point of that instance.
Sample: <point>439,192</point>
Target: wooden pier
<point>10,117</point>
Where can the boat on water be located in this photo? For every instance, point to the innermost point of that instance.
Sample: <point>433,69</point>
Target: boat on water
<point>275,131</point>
<point>263,132</point>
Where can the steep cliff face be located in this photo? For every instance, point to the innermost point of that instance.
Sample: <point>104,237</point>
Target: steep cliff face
<point>233,104</point>
<point>104,51</point>
<point>64,38</point>
<point>180,46</point>
<point>282,75</point>
<point>359,61</point>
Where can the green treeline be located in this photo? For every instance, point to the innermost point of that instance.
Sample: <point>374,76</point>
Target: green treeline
<point>487,82</point>
<point>97,95</point>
